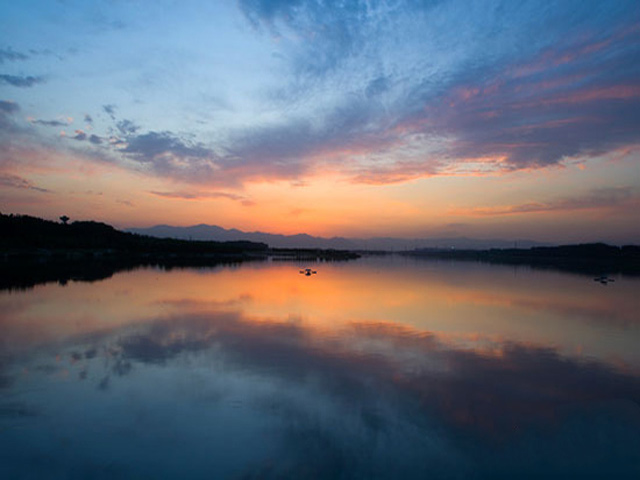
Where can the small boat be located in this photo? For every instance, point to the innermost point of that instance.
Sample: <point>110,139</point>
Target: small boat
<point>603,279</point>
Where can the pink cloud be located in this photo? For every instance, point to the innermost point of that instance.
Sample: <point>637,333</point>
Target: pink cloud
<point>202,195</point>
<point>605,198</point>
<point>615,92</point>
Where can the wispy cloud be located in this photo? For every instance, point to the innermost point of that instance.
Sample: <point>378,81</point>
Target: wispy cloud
<point>556,96</point>
<point>387,92</point>
<point>203,195</point>
<point>16,181</point>
<point>110,110</point>
<point>8,111</point>
<point>10,55</point>
<point>7,107</point>
<point>603,198</point>
<point>163,153</point>
<point>51,123</point>
<point>127,127</point>
<point>20,81</point>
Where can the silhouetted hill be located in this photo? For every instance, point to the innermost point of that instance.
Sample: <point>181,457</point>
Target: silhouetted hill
<point>302,240</point>
<point>23,232</point>
<point>34,251</point>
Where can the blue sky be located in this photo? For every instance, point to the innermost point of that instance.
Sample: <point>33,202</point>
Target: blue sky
<point>242,105</point>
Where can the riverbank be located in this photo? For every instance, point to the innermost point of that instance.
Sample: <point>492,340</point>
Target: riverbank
<point>593,258</point>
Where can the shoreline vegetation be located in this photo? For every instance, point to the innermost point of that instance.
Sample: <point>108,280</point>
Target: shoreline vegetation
<point>23,236</point>
<point>34,251</point>
<point>590,258</point>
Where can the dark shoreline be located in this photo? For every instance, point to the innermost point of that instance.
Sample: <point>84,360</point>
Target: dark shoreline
<point>587,259</point>
<point>35,251</point>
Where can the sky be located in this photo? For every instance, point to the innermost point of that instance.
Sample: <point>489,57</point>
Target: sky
<point>406,118</point>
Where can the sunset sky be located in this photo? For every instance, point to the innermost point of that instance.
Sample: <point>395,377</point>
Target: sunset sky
<point>488,119</point>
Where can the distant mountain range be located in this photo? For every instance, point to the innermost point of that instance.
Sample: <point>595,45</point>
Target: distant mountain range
<point>302,240</point>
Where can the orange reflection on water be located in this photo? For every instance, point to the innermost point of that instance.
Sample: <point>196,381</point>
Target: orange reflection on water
<point>470,305</point>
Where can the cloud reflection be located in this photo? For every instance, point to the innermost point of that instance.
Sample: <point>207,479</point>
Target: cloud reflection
<point>496,389</point>
<point>359,400</point>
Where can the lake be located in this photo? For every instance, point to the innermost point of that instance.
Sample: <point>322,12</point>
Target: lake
<point>383,367</point>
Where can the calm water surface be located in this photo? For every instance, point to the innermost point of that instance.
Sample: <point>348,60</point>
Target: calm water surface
<point>379,368</point>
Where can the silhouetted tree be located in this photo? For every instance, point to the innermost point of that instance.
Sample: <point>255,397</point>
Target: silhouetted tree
<point>64,219</point>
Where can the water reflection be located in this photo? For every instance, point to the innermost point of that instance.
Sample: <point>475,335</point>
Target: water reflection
<point>374,369</point>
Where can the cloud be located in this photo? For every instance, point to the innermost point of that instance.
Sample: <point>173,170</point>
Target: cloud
<point>127,127</point>
<point>126,203</point>
<point>537,119</point>
<point>602,198</point>
<point>163,153</point>
<point>298,146</point>
<point>523,115</point>
<point>8,110</point>
<point>19,81</point>
<point>79,135</point>
<point>398,172</point>
<point>110,110</point>
<point>201,196</point>
<point>388,92</point>
<point>7,107</point>
<point>330,35</point>
<point>151,146</point>
<point>442,99</point>
<point>10,55</point>
<point>15,181</point>
<point>167,154</point>
<point>52,123</point>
